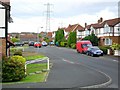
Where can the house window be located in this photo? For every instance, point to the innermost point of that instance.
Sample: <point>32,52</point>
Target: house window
<point>86,32</point>
<point>108,41</point>
<point>106,29</point>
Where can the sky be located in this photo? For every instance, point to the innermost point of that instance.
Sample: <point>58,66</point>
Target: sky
<point>30,15</point>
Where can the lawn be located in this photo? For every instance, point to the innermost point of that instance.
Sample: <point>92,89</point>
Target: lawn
<point>35,78</point>
<point>32,68</point>
<point>33,57</point>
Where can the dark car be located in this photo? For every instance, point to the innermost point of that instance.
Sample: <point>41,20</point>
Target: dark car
<point>31,43</point>
<point>94,51</point>
<point>19,43</point>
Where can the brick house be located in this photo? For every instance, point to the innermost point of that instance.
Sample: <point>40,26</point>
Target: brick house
<point>5,43</point>
<point>107,31</point>
<point>28,37</point>
<point>77,28</point>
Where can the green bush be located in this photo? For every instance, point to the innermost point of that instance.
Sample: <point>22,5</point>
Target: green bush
<point>104,48</point>
<point>115,46</point>
<point>13,68</point>
<point>73,46</point>
<point>63,44</point>
<point>18,53</point>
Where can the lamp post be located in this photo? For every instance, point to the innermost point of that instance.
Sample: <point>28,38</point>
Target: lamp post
<point>38,36</point>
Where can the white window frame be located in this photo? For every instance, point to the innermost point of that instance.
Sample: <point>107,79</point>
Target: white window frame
<point>109,42</point>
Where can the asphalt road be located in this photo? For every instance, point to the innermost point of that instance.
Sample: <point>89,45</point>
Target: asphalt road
<point>73,70</point>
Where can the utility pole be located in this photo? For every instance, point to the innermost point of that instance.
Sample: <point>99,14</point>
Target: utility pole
<point>48,12</point>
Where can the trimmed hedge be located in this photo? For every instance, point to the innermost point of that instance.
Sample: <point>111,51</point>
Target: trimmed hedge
<point>13,68</point>
<point>104,48</point>
<point>18,53</point>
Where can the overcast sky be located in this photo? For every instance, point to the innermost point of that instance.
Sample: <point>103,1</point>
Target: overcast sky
<point>30,15</point>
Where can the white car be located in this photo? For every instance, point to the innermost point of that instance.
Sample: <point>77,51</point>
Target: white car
<point>44,43</point>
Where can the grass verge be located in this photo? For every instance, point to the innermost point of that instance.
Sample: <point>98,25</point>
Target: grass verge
<point>33,57</point>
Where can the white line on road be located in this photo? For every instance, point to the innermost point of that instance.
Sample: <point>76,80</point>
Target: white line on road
<point>115,60</point>
<point>68,61</point>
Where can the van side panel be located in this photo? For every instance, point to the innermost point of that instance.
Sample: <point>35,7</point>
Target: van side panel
<point>79,46</point>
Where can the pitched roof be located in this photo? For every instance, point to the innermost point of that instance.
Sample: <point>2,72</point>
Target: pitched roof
<point>112,22</point>
<point>97,25</point>
<point>49,34</point>
<point>88,26</point>
<point>7,2</point>
<point>28,36</point>
<point>74,28</point>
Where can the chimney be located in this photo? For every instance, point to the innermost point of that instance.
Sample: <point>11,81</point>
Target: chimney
<point>101,19</point>
<point>85,24</point>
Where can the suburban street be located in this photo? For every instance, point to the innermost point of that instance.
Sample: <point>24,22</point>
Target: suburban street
<point>73,70</point>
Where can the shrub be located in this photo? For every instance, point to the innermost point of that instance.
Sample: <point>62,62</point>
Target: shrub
<point>63,44</point>
<point>73,46</point>
<point>115,46</point>
<point>104,48</point>
<point>13,68</point>
<point>18,53</point>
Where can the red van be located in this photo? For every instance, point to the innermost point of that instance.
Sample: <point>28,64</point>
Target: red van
<point>82,46</point>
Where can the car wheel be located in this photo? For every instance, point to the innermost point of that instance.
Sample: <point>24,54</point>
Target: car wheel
<point>87,53</point>
<point>78,51</point>
<point>92,55</point>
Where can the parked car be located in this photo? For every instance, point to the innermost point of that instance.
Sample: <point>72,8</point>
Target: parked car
<point>94,51</point>
<point>31,43</point>
<point>37,44</point>
<point>44,43</point>
<point>19,43</point>
<point>82,46</point>
<point>51,43</point>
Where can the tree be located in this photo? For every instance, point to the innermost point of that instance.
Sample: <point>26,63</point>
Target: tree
<point>72,38</point>
<point>92,38</point>
<point>59,36</point>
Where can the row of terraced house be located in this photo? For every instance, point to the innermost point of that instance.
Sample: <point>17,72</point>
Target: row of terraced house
<point>108,31</point>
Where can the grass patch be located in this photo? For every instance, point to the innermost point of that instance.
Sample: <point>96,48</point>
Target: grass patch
<point>34,78</point>
<point>31,68</point>
<point>33,57</point>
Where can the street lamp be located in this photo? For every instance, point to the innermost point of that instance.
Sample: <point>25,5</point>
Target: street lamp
<point>38,35</point>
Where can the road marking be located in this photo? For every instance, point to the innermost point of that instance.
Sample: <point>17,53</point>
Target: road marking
<point>68,61</point>
<point>115,60</point>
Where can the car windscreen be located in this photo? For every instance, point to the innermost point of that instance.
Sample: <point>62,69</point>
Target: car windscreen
<point>94,49</point>
<point>86,45</point>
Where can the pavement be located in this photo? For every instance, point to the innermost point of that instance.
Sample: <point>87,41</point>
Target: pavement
<point>112,57</point>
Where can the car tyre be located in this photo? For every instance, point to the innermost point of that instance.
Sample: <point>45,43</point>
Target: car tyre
<point>87,53</point>
<point>92,55</point>
<point>78,51</point>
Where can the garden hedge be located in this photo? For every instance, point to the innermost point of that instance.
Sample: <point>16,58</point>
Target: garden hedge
<point>13,68</point>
